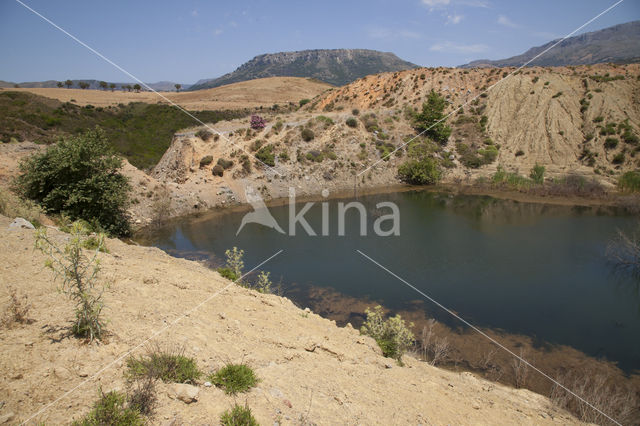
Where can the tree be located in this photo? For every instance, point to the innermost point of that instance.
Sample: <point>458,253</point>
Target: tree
<point>178,86</point>
<point>68,83</point>
<point>112,86</point>
<point>129,87</point>
<point>83,85</point>
<point>103,85</point>
<point>80,178</point>
<point>137,87</point>
<point>431,119</point>
<point>59,84</point>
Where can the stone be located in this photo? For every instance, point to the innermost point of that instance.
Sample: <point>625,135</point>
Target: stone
<point>20,223</point>
<point>207,384</point>
<point>185,393</point>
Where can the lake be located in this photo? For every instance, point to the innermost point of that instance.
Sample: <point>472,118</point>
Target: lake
<point>524,268</point>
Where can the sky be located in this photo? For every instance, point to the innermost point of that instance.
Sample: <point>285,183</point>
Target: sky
<point>184,41</point>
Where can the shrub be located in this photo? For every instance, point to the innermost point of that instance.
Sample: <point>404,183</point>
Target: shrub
<point>234,264</point>
<point>519,153</point>
<point>111,409</point>
<point>598,119</point>
<point>246,164</point>
<point>257,122</point>
<point>392,335</point>
<point>303,102</point>
<point>489,154</point>
<point>217,170</point>
<point>420,172</point>
<point>431,119</point>
<point>352,122</point>
<point>307,135</point>
<point>263,285</point>
<point>537,174</point>
<point>370,122</point>
<point>610,143</point>
<point>266,155</point>
<point>618,158</point>
<point>630,181</point>
<point>204,134</point>
<point>238,416</point>
<point>225,164</point>
<point>234,378</point>
<point>166,365</point>
<point>18,310</point>
<point>205,161</point>
<point>142,395</point>
<point>79,275</point>
<point>557,95</point>
<point>80,178</point>
<point>355,111</point>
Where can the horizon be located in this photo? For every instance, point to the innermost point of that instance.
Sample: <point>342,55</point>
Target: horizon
<point>205,41</point>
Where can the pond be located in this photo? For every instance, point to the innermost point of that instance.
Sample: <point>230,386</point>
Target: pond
<point>524,268</point>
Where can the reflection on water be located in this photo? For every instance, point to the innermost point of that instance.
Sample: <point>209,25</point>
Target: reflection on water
<point>531,270</point>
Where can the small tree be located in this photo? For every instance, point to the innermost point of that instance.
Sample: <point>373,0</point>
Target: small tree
<point>83,85</point>
<point>178,86</point>
<point>420,172</point>
<point>68,83</point>
<point>79,275</point>
<point>103,85</point>
<point>137,87</point>
<point>264,282</point>
<point>234,264</point>
<point>112,86</point>
<point>79,177</point>
<point>392,335</point>
<point>257,122</point>
<point>60,84</point>
<point>429,120</point>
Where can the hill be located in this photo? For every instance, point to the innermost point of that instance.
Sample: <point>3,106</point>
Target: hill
<point>336,67</point>
<point>161,86</point>
<point>617,44</point>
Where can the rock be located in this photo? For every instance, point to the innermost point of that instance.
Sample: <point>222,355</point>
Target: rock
<point>207,384</point>
<point>287,403</point>
<point>307,310</point>
<point>276,393</point>
<point>20,223</point>
<point>185,393</point>
<point>6,418</point>
<point>388,365</point>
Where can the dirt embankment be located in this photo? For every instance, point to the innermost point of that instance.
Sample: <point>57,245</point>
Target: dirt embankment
<point>308,367</point>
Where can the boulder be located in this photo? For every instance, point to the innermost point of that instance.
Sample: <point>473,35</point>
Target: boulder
<point>20,223</point>
<point>185,393</point>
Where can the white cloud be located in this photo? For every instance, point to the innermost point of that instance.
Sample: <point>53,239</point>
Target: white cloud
<point>436,3</point>
<point>449,46</point>
<point>454,19</point>
<point>504,20</point>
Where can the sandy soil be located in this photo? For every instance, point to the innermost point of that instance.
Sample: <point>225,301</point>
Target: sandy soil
<point>309,368</point>
<point>247,94</point>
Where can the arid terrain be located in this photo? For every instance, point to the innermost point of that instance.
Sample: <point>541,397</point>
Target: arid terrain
<point>247,94</point>
<point>310,370</point>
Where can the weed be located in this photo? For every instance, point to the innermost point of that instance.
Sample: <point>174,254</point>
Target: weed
<point>238,416</point>
<point>166,365</point>
<point>18,310</point>
<point>392,335</point>
<point>234,378</point>
<point>111,409</point>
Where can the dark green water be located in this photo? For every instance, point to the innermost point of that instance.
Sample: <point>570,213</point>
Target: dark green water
<point>534,269</point>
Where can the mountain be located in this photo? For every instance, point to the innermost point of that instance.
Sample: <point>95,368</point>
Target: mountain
<point>618,44</point>
<point>335,66</point>
<point>161,86</point>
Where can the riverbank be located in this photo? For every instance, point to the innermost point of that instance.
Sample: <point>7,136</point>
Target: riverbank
<point>309,369</point>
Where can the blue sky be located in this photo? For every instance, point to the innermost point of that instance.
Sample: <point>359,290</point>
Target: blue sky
<point>192,39</point>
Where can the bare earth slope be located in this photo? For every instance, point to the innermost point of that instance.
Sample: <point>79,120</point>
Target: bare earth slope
<point>248,94</point>
<point>308,368</point>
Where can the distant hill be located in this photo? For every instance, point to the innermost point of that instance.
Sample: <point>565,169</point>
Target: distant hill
<point>618,44</point>
<point>336,66</point>
<point>161,86</point>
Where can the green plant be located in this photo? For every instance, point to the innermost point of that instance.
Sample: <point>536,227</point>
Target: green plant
<point>142,395</point>
<point>206,160</point>
<point>79,275</point>
<point>420,172</point>
<point>537,174</point>
<point>630,181</point>
<point>610,143</point>
<point>355,111</point>
<point>519,153</point>
<point>557,95</point>
<point>431,120</point>
<point>266,155</point>
<point>618,158</point>
<point>263,285</point>
<point>225,164</point>
<point>238,416</point>
<point>204,134</point>
<point>234,264</point>
<point>217,170</point>
<point>307,135</point>
<point>303,102</point>
<point>392,335</point>
<point>234,378</point>
<point>79,177</point>
<point>352,122</point>
<point>166,365</point>
<point>111,409</point>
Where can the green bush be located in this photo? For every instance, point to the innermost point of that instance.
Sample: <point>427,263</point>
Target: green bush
<point>205,161</point>
<point>307,135</point>
<point>630,181</point>
<point>225,164</point>
<point>204,134</point>
<point>238,416</point>
<point>168,366</point>
<point>431,119</point>
<point>79,177</point>
<point>352,122</point>
<point>266,155</point>
<point>111,409</point>
<point>537,174</point>
<point>489,154</point>
<point>519,153</point>
<point>303,102</point>
<point>217,170</point>
<point>393,336</point>
<point>420,172</point>
<point>610,143</point>
<point>234,378</point>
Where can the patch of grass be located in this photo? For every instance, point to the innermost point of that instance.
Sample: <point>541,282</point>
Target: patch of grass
<point>610,143</point>
<point>166,365</point>
<point>17,312</point>
<point>238,416</point>
<point>630,181</point>
<point>234,378</point>
<point>204,134</point>
<point>266,155</point>
<point>111,409</point>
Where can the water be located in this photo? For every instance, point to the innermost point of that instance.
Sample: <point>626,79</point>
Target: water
<point>531,269</point>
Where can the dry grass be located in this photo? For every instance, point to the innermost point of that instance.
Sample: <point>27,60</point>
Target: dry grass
<point>13,206</point>
<point>17,312</point>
